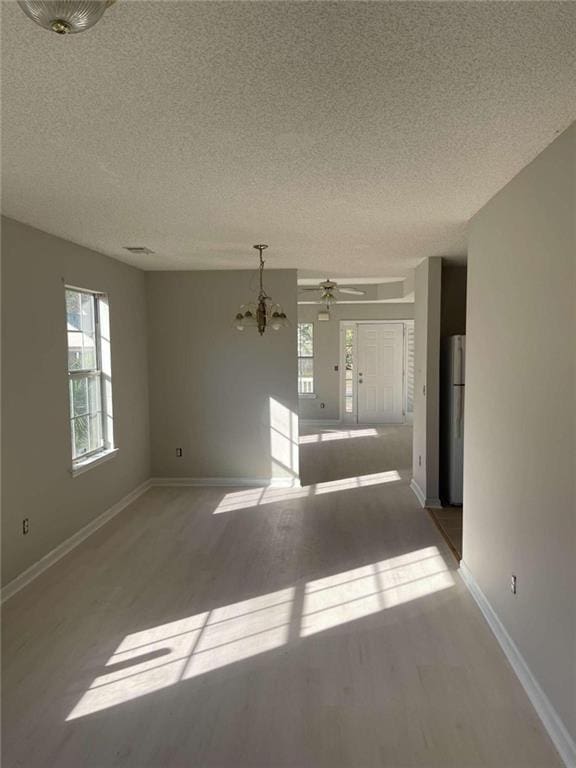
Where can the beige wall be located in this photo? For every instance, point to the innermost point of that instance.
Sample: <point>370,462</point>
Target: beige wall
<point>36,451</point>
<point>327,350</point>
<point>520,451</point>
<point>228,399</point>
<point>427,294</point>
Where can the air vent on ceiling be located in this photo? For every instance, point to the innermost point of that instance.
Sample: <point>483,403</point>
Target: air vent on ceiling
<point>139,250</point>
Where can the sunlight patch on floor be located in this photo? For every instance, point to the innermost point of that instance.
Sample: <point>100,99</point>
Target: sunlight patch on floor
<point>339,434</point>
<point>257,496</point>
<point>357,593</point>
<point>156,658</point>
<point>159,657</point>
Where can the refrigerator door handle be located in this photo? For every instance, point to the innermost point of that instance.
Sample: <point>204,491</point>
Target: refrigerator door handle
<point>459,395</point>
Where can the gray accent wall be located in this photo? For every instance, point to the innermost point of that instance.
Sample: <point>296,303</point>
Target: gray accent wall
<point>327,350</point>
<point>36,449</point>
<point>229,400</point>
<point>520,448</point>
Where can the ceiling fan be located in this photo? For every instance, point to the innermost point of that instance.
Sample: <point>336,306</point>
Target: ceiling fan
<point>328,290</point>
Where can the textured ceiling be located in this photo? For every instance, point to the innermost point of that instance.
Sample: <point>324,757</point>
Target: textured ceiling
<point>356,138</point>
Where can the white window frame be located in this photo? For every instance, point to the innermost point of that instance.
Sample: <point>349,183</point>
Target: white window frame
<point>107,450</point>
<point>312,394</point>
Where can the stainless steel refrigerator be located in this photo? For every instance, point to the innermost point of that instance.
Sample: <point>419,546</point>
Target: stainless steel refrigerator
<point>452,419</point>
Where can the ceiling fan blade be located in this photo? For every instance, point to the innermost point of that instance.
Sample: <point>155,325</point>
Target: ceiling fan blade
<point>302,289</point>
<point>352,291</point>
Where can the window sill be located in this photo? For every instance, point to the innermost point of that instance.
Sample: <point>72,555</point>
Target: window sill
<point>83,466</point>
<point>307,396</point>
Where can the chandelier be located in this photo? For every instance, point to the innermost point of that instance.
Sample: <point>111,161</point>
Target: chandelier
<point>264,312</point>
<point>65,17</point>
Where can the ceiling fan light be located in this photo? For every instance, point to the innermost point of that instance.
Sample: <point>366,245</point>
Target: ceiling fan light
<point>65,16</point>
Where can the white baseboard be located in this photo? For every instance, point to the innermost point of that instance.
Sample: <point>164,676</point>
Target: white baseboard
<point>424,502</point>
<point>228,482</point>
<point>418,492</point>
<point>320,423</point>
<point>556,729</point>
<point>24,578</point>
<point>67,546</point>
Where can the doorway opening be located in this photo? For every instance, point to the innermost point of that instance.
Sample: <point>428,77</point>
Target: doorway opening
<point>372,375</point>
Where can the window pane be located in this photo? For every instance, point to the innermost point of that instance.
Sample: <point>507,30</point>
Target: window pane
<point>87,301</point>
<point>410,369</point>
<point>107,393</point>
<point>348,395</point>
<point>81,351</point>
<point>349,349</point>
<point>305,339</point>
<point>78,396</point>
<point>89,355</point>
<point>349,370</point>
<point>305,375</point>
<point>94,394</point>
<point>74,326</point>
<point>73,310</point>
<point>80,438</point>
<point>95,425</point>
<point>81,324</point>
<point>74,357</point>
<point>104,323</point>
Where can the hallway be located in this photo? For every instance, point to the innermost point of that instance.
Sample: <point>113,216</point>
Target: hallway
<point>309,627</point>
<point>331,453</point>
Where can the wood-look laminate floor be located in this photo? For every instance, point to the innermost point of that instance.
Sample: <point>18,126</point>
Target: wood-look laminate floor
<point>314,628</point>
<point>330,453</point>
<point>449,520</point>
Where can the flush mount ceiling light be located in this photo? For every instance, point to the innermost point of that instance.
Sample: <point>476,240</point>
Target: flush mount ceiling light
<point>264,312</point>
<point>65,17</point>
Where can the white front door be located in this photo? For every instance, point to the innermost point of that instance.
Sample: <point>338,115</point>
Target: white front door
<point>380,373</point>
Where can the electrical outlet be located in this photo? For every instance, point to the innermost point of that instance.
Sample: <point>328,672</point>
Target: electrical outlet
<point>513,584</point>
<point>25,526</point>
<point>179,452</point>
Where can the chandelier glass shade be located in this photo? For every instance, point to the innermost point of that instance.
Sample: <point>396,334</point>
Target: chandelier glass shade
<point>65,17</point>
<point>263,313</point>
